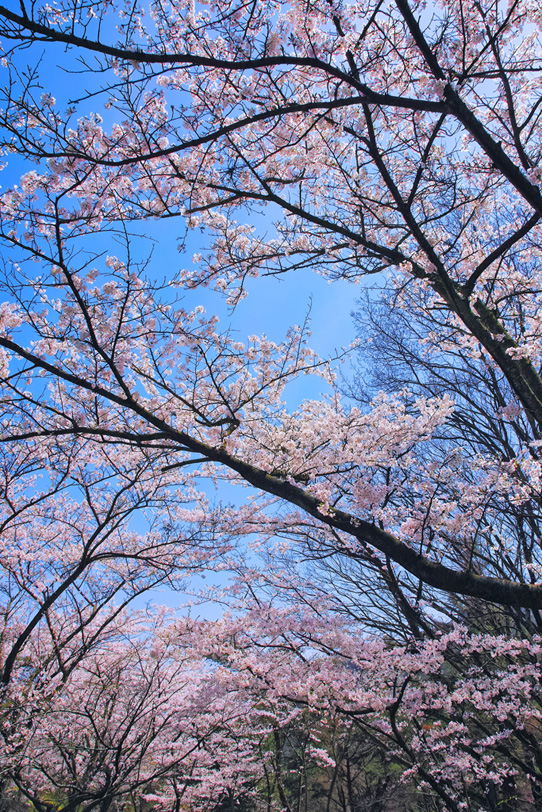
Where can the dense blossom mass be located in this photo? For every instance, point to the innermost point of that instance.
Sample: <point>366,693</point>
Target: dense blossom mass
<point>379,567</point>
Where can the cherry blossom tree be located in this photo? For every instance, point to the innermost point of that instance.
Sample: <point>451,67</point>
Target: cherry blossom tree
<point>460,712</point>
<point>200,714</point>
<point>140,721</point>
<point>386,139</point>
<point>71,563</point>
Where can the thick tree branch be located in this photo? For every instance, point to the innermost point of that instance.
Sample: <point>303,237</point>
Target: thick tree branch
<point>432,573</point>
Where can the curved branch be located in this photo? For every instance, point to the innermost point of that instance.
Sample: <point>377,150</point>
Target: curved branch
<point>439,576</point>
